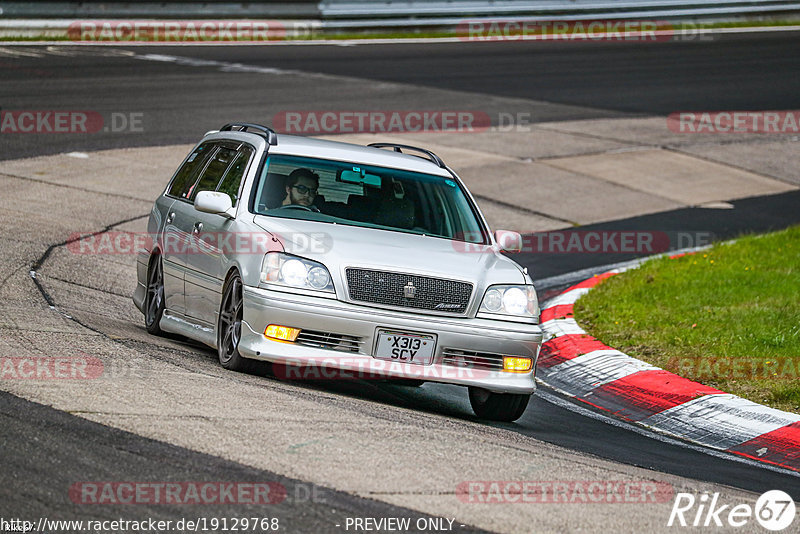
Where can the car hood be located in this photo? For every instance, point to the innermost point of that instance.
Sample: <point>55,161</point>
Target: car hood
<point>339,246</point>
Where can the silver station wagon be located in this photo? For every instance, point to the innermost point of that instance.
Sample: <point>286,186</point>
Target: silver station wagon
<point>334,260</point>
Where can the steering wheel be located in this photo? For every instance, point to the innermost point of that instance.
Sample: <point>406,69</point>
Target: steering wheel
<point>313,209</point>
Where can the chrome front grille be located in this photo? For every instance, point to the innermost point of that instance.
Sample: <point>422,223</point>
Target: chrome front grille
<point>472,360</point>
<point>408,290</point>
<point>329,341</point>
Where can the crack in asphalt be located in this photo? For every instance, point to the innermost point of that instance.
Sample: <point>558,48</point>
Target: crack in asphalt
<point>27,329</point>
<point>73,187</point>
<point>613,183</point>
<point>677,150</point>
<point>545,159</point>
<point>43,258</point>
<point>85,286</point>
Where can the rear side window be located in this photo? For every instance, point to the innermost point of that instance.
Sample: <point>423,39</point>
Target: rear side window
<point>232,180</point>
<point>212,174</point>
<point>187,174</point>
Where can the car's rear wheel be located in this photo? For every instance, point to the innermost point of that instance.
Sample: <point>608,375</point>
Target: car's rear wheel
<point>505,407</point>
<point>154,297</point>
<point>229,326</point>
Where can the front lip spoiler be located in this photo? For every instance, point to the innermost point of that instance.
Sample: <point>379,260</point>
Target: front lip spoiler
<point>306,363</point>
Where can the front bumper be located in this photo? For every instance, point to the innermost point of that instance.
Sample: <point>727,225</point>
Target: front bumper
<point>263,307</point>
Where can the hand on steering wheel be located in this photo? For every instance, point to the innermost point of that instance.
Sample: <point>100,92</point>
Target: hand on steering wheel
<point>311,208</point>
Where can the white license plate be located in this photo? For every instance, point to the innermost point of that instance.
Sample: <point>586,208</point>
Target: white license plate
<point>405,348</point>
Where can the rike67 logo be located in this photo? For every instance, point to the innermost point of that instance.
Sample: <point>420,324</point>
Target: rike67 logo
<point>774,510</point>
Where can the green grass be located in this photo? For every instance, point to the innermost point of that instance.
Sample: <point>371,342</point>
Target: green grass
<point>728,317</point>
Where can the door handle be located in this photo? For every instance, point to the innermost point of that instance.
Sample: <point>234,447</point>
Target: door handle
<point>170,217</point>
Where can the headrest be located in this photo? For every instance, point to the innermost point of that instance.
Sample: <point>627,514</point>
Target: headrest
<point>274,191</point>
<point>396,212</point>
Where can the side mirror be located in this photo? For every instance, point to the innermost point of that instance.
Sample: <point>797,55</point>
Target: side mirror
<point>508,241</point>
<point>213,202</point>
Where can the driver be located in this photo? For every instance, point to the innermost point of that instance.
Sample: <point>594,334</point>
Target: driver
<point>301,188</point>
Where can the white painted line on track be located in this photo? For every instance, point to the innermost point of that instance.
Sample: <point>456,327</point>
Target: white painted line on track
<point>561,327</point>
<point>587,372</point>
<point>721,421</point>
<point>568,297</point>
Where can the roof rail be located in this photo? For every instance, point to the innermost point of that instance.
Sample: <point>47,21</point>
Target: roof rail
<point>399,148</point>
<point>264,131</point>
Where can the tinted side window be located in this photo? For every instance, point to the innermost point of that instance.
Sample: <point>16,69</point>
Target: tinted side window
<point>213,172</point>
<point>233,178</point>
<point>187,174</point>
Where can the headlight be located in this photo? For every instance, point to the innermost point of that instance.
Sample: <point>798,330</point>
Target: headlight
<point>519,301</point>
<point>283,269</point>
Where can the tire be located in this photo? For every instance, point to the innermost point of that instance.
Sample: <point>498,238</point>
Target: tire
<point>504,407</point>
<point>154,297</point>
<point>229,327</point>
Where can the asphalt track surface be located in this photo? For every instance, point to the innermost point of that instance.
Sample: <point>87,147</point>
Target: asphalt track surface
<point>558,81</point>
<point>571,79</point>
<point>31,452</point>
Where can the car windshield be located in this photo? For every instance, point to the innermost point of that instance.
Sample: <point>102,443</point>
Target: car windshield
<point>366,196</point>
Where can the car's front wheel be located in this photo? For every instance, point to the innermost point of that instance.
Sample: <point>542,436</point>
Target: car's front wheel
<point>229,326</point>
<point>154,297</point>
<point>505,407</point>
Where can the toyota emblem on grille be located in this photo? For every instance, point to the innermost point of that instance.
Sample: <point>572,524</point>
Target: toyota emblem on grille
<point>409,291</point>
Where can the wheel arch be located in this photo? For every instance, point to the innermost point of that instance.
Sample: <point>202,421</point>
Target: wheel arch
<point>232,270</point>
<point>155,253</point>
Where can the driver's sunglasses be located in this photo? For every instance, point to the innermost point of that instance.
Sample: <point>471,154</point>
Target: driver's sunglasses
<point>305,190</point>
